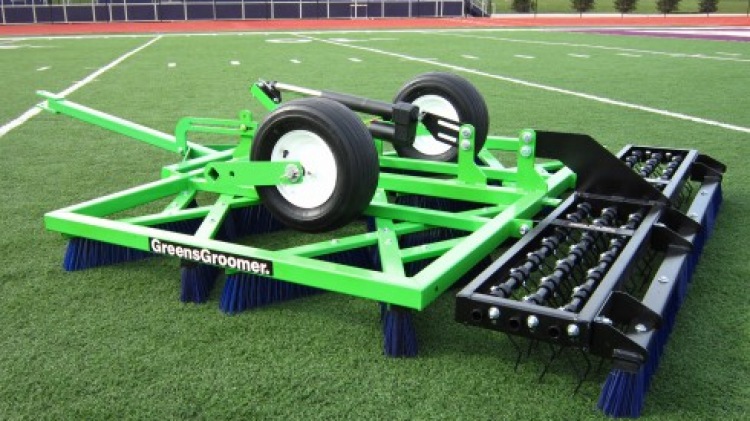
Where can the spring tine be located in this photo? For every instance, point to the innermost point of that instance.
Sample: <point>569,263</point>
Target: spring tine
<point>556,351</point>
<point>586,372</point>
<point>519,351</point>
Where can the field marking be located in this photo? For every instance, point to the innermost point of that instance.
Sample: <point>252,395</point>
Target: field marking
<point>523,56</point>
<point>600,47</point>
<point>354,59</point>
<point>470,57</point>
<point>629,55</point>
<point>729,54</point>
<point>43,68</point>
<point>295,61</point>
<point>234,63</point>
<point>289,32</point>
<point>579,55</point>
<point>522,82</point>
<point>30,113</point>
<point>170,65</point>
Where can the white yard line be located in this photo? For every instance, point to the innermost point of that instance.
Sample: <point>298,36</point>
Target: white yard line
<point>295,61</point>
<point>43,68</point>
<point>265,34</point>
<point>30,113</point>
<point>629,55</point>
<point>523,56</point>
<point>579,55</point>
<point>354,59</point>
<point>548,88</point>
<point>470,57</point>
<point>599,47</point>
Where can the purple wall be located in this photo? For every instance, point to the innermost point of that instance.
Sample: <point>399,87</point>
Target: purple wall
<point>155,10</point>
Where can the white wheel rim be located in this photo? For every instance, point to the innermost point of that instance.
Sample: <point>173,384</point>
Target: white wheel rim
<point>317,159</point>
<point>437,105</point>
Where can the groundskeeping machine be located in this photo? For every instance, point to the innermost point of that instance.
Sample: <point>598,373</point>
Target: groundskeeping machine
<point>551,238</point>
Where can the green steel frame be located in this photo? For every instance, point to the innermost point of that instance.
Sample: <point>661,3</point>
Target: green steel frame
<point>507,198</point>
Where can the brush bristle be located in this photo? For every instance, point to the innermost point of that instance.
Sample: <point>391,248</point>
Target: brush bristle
<point>243,291</point>
<point>83,253</point>
<point>399,335</point>
<point>250,220</point>
<point>197,280</point>
<point>623,394</point>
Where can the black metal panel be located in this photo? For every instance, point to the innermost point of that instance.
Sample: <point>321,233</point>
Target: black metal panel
<point>141,12</point>
<point>340,10</point>
<point>80,13</point>
<point>257,10</point>
<point>598,170</point>
<point>399,9</point>
<point>453,9</point>
<point>101,13</point>
<point>311,10</point>
<point>19,14</point>
<point>425,9</point>
<point>117,12</point>
<point>202,11</point>
<point>171,11</point>
<point>228,10</point>
<point>285,11</point>
<point>50,14</point>
<point>375,9</point>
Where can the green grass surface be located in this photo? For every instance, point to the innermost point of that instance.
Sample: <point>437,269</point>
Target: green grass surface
<point>115,342</point>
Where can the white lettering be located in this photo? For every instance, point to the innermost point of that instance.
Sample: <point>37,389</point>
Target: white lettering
<point>209,257</point>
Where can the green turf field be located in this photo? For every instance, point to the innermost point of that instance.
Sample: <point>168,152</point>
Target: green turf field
<point>115,342</point>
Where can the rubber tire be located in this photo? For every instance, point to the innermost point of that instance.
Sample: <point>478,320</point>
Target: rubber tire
<point>463,96</point>
<point>354,152</point>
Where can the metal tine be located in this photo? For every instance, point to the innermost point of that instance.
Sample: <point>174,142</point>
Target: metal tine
<point>519,351</point>
<point>556,351</point>
<point>582,378</point>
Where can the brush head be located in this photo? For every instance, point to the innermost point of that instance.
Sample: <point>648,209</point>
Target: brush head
<point>399,335</point>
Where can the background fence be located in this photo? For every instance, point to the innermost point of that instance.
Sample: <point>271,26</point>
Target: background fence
<point>50,11</point>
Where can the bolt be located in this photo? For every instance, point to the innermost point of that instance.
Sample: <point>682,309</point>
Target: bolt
<point>524,229</point>
<point>641,328</point>
<point>466,132</point>
<point>663,279</point>
<point>703,192</point>
<point>532,322</point>
<point>604,320</point>
<point>573,330</point>
<point>526,151</point>
<point>334,241</point>
<point>493,313</point>
<point>465,145</point>
<point>388,242</point>
<point>292,173</point>
<point>526,137</point>
<point>243,127</point>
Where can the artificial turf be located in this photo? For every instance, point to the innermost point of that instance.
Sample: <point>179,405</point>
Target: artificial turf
<point>115,342</point>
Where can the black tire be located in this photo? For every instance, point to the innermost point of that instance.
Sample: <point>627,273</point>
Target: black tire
<point>308,126</point>
<point>467,102</point>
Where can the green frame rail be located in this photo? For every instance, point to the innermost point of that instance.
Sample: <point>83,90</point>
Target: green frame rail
<point>507,199</point>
